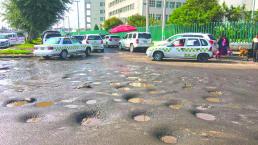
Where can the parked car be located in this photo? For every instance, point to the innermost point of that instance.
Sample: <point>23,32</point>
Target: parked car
<point>4,41</point>
<point>80,38</point>
<point>112,41</point>
<point>136,40</point>
<point>12,38</point>
<point>212,40</point>
<point>50,34</point>
<point>62,47</point>
<point>95,41</point>
<point>183,48</point>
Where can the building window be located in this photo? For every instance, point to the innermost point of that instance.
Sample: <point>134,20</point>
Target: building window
<point>88,12</point>
<point>88,19</point>
<point>178,4</point>
<point>151,15</point>
<point>88,26</point>
<point>102,11</point>
<point>167,4</point>
<point>172,5</point>
<point>102,4</point>
<point>158,4</point>
<point>152,3</point>
<point>102,19</point>
<point>88,5</point>
<point>121,10</point>
<point>158,17</point>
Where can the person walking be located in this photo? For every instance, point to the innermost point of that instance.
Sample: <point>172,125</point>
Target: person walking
<point>255,48</point>
<point>223,45</point>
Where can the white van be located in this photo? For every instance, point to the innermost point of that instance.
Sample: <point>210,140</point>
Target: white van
<point>13,38</point>
<point>136,40</point>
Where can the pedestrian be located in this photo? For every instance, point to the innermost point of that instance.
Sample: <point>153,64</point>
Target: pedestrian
<point>255,48</point>
<point>223,46</point>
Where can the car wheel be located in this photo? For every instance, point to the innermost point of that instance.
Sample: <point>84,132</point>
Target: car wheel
<point>102,51</point>
<point>158,56</point>
<point>87,52</point>
<point>131,48</point>
<point>203,57</point>
<point>64,54</point>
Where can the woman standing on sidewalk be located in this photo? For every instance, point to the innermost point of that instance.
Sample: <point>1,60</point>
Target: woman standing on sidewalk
<point>223,45</point>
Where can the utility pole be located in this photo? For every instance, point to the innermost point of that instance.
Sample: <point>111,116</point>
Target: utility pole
<point>69,26</point>
<point>147,16</point>
<point>164,19</point>
<point>253,10</point>
<point>78,14</point>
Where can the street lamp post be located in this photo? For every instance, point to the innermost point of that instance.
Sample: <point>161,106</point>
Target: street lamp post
<point>147,16</point>
<point>164,19</point>
<point>78,14</point>
<point>69,26</point>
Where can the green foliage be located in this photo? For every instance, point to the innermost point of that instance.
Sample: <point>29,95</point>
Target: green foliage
<point>112,22</point>
<point>233,14</point>
<point>197,11</point>
<point>34,16</point>
<point>96,27</point>
<point>15,51</point>
<point>140,21</point>
<point>24,46</point>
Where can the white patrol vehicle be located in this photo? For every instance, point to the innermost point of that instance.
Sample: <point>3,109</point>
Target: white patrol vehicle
<point>62,47</point>
<point>183,48</point>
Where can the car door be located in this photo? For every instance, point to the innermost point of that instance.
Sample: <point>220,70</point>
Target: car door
<point>76,45</point>
<point>123,40</point>
<point>193,48</point>
<point>67,44</point>
<point>128,40</point>
<point>177,48</point>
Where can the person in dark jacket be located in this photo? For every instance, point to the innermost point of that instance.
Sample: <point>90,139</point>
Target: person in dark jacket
<point>223,45</point>
<point>255,48</point>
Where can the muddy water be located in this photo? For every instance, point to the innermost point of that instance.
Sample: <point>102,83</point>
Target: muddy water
<point>175,98</point>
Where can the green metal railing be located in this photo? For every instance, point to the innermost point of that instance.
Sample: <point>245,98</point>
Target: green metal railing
<point>235,31</point>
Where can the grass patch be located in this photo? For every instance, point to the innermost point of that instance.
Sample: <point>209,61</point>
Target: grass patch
<point>24,46</point>
<point>15,51</point>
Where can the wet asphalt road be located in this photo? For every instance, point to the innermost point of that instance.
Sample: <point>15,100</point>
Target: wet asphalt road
<point>45,102</point>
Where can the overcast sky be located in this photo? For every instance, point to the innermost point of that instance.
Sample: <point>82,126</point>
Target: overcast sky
<point>72,15</point>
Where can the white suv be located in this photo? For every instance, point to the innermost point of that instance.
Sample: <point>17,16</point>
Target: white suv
<point>95,41</point>
<point>112,41</point>
<point>136,40</point>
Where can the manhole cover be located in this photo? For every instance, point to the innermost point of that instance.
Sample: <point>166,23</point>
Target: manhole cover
<point>142,118</point>
<point>204,116</point>
<point>169,139</point>
<point>136,100</point>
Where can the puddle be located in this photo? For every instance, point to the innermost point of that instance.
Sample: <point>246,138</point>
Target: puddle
<point>136,100</point>
<point>91,102</point>
<point>97,83</point>
<point>117,100</point>
<point>69,100</point>
<point>44,104</point>
<point>169,139</point>
<point>213,100</point>
<point>165,135</point>
<point>216,93</point>
<point>203,107</point>
<point>115,94</point>
<point>175,104</point>
<point>88,118</point>
<point>19,102</point>
<point>205,116</point>
<point>141,118</point>
<point>73,106</point>
<point>126,89</point>
<point>31,118</point>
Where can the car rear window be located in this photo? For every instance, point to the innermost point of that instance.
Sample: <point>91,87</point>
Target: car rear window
<point>204,42</point>
<point>212,37</point>
<point>54,40</point>
<point>94,37</point>
<point>144,35</point>
<point>80,38</point>
<point>115,37</point>
<point>53,35</point>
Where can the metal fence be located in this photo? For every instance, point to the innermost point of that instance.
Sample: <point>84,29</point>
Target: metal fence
<point>236,31</point>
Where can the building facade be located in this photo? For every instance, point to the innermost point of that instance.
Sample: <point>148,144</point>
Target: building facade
<point>125,8</point>
<point>247,3</point>
<point>94,13</point>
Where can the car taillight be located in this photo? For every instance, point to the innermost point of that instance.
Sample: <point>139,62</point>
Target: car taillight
<point>110,39</point>
<point>211,42</point>
<point>137,41</point>
<point>50,48</point>
<point>101,42</point>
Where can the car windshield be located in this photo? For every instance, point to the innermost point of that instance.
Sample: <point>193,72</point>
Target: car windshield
<point>53,35</point>
<point>3,37</point>
<point>54,40</point>
<point>94,37</point>
<point>75,41</point>
<point>79,38</point>
<point>115,37</point>
<point>174,38</point>
<point>144,35</point>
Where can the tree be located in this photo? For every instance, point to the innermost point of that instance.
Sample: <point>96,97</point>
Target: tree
<point>197,11</point>
<point>96,27</point>
<point>112,22</point>
<point>233,14</point>
<point>34,16</point>
<point>137,20</point>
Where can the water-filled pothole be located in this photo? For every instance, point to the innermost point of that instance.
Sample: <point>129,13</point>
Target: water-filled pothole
<point>19,102</point>
<point>44,104</point>
<point>213,99</point>
<point>31,118</point>
<point>165,135</point>
<point>175,104</point>
<point>140,116</point>
<point>88,118</point>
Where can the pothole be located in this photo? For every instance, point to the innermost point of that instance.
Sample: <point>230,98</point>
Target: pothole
<point>84,86</point>
<point>203,107</point>
<point>166,136</point>
<point>205,116</point>
<point>88,118</point>
<point>215,93</point>
<point>31,118</point>
<point>140,116</point>
<point>44,104</point>
<point>19,102</point>
<point>136,100</point>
